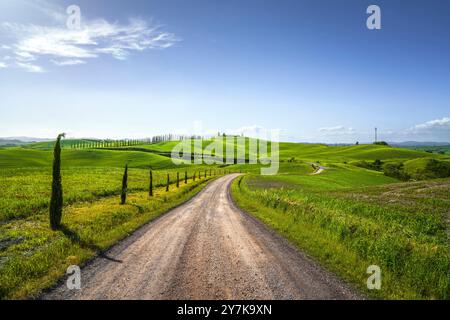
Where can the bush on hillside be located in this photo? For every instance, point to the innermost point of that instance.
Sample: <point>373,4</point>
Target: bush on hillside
<point>376,165</point>
<point>421,169</point>
<point>395,170</point>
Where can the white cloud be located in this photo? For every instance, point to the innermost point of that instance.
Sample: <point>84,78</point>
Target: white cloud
<point>258,132</point>
<point>248,130</point>
<point>3,65</point>
<point>336,130</point>
<point>30,67</point>
<point>94,39</point>
<point>437,124</point>
<point>70,62</point>
<point>46,8</point>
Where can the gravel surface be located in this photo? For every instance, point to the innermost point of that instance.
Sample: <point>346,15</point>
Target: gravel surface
<point>205,249</point>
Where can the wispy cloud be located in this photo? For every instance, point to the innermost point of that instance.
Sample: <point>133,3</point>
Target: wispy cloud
<point>438,124</point>
<point>66,47</point>
<point>30,67</point>
<point>70,62</point>
<point>336,130</point>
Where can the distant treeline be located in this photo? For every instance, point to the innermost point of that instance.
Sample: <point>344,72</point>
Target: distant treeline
<point>108,143</point>
<point>104,144</point>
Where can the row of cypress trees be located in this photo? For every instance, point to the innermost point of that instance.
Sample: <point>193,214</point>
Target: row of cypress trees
<point>56,200</point>
<point>123,195</point>
<point>106,144</point>
<point>88,144</point>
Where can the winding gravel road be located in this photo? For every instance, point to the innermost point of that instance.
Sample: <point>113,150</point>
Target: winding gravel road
<point>205,249</point>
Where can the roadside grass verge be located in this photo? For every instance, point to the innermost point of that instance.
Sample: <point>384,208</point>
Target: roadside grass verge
<point>347,230</point>
<point>33,257</point>
<point>25,192</point>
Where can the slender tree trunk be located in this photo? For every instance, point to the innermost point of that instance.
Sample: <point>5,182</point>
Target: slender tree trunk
<point>178,179</point>
<point>185,177</point>
<point>168,182</point>
<point>150,193</point>
<point>123,195</point>
<point>56,200</point>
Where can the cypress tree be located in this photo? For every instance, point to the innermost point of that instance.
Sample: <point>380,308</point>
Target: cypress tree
<point>150,193</point>
<point>185,177</point>
<point>178,179</point>
<point>168,182</point>
<point>56,201</point>
<point>123,195</point>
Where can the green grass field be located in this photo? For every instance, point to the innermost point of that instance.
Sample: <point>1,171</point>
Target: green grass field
<point>445,150</point>
<point>342,154</point>
<point>347,217</point>
<point>32,256</point>
<point>350,218</point>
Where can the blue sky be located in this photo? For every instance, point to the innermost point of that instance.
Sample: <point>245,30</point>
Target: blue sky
<point>311,69</point>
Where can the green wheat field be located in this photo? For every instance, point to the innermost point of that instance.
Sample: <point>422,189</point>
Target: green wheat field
<point>370,205</point>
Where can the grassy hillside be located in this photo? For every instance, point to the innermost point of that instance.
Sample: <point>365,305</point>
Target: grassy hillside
<point>421,169</point>
<point>334,178</point>
<point>33,257</point>
<point>400,227</point>
<point>341,154</point>
<point>20,157</point>
<point>341,216</point>
<point>288,151</point>
<point>26,191</point>
<point>48,145</point>
<point>350,217</point>
<point>438,149</point>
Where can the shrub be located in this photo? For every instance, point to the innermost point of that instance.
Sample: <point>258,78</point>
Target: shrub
<point>376,165</point>
<point>421,169</point>
<point>381,143</point>
<point>395,170</point>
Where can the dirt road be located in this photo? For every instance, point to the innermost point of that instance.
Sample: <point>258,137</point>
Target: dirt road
<point>318,169</point>
<point>205,249</point>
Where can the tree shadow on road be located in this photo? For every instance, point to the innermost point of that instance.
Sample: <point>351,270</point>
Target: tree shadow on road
<point>75,238</point>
